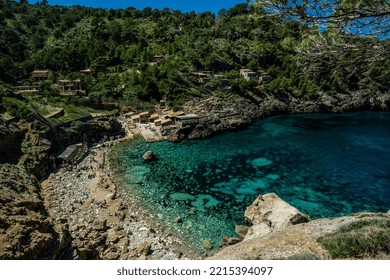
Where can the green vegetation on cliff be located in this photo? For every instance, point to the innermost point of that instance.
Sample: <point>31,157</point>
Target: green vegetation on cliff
<point>363,239</point>
<point>119,46</point>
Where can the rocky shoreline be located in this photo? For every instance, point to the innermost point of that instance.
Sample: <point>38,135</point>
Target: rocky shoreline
<point>103,221</point>
<point>224,115</point>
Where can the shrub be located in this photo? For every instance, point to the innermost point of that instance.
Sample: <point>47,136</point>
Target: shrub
<point>17,108</point>
<point>362,239</point>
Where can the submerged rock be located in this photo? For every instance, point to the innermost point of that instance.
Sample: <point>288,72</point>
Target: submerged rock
<point>207,244</point>
<point>149,155</point>
<point>260,162</point>
<point>182,196</point>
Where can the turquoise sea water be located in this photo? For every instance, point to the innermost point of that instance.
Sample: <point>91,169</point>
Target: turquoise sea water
<point>325,165</point>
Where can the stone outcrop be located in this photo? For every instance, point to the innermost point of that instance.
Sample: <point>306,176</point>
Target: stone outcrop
<point>295,242</point>
<point>26,230</point>
<point>92,131</point>
<point>268,213</point>
<point>31,145</point>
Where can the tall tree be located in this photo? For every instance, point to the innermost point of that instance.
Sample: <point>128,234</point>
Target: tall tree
<point>363,17</point>
<point>345,38</point>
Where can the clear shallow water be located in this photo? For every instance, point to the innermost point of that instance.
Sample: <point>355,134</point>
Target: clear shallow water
<point>325,165</point>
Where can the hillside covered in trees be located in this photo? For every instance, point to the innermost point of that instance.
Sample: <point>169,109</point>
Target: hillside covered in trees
<point>118,47</point>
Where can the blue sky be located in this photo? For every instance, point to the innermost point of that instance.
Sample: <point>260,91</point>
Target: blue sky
<point>183,5</point>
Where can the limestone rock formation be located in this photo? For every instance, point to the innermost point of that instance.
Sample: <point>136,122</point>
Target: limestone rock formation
<point>241,231</point>
<point>26,231</point>
<point>280,231</point>
<point>269,212</point>
<point>11,137</point>
<point>296,242</point>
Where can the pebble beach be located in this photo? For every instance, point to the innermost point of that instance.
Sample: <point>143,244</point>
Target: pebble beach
<point>104,220</point>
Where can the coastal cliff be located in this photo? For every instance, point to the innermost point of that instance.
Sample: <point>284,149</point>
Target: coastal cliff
<point>222,115</point>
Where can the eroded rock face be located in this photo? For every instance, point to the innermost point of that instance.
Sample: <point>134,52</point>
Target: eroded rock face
<point>268,213</point>
<point>11,137</point>
<point>26,231</point>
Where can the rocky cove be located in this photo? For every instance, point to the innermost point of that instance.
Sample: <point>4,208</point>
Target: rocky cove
<point>78,213</point>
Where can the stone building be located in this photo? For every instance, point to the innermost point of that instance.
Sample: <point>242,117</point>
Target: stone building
<point>72,154</point>
<point>69,86</point>
<point>144,117</point>
<point>248,74</point>
<point>39,75</point>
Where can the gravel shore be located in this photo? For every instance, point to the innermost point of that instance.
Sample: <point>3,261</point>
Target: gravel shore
<point>104,221</point>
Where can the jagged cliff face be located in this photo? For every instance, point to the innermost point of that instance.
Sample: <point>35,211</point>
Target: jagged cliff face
<point>11,138</point>
<point>31,147</point>
<point>26,230</point>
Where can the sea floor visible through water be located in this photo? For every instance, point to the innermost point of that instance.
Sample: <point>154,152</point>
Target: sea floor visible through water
<point>326,165</point>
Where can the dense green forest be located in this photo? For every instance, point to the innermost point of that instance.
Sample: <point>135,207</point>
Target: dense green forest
<point>117,45</point>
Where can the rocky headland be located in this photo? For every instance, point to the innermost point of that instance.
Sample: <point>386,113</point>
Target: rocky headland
<point>76,212</point>
<point>221,115</point>
<point>280,231</point>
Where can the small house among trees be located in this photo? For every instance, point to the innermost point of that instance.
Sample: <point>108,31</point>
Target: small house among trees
<point>27,89</point>
<point>248,74</point>
<point>39,75</point>
<point>69,86</point>
<point>203,77</point>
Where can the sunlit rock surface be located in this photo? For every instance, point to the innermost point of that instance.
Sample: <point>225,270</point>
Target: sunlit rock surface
<point>26,230</point>
<point>269,213</point>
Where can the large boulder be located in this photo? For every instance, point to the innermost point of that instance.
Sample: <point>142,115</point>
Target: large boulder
<point>269,212</point>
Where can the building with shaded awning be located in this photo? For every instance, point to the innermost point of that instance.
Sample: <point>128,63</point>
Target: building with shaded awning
<point>72,154</point>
